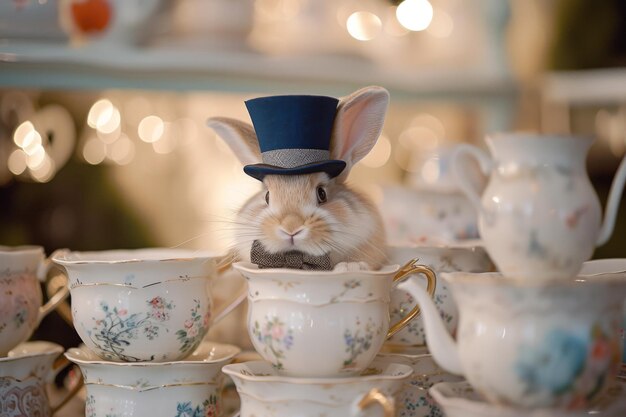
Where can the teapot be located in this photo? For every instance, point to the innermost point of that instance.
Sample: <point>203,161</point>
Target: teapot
<point>530,344</point>
<point>539,216</point>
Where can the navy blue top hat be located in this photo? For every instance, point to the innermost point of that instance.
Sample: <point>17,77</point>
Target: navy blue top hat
<point>294,135</point>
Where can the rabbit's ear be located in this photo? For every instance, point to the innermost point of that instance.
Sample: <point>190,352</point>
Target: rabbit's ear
<point>358,123</point>
<point>240,138</point>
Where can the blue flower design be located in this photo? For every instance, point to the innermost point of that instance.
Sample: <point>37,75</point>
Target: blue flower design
<point>555,365</point>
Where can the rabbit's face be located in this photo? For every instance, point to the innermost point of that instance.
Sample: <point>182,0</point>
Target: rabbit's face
<point>301,213</point>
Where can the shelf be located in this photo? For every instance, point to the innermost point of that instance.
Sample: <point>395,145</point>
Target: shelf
<point>586,87</point>
<point>101,66</point>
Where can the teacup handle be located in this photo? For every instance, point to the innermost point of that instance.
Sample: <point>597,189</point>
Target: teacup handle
<point>375,396</point>
<point>57,298</point>
<point>60,364</point>
<point>461,179</point>
<point>409,269</point>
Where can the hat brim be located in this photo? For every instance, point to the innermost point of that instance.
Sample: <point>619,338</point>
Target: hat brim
<point>330,167</point>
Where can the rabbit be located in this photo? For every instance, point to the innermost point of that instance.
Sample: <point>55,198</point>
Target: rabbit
<point>313,213</point>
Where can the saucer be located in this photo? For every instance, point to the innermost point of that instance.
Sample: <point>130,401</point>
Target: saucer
<point>459,399</point>
<point>263,391</point>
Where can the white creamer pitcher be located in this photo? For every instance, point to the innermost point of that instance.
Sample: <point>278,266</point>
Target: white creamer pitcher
<point>539,216</point>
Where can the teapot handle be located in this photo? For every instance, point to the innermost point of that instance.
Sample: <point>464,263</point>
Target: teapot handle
<point>615,195</point>
<point>460,177</point>
<point>375,396</point>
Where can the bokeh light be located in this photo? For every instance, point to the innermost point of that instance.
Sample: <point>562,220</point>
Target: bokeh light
<point>363,26</point>
<point>415,15</point>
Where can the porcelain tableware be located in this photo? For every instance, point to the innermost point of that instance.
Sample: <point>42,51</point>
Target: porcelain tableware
<point>24,375</point>
<point>142,305</point>
<point>461,400</point>
<point>539,216</point>
<point>323,323</point>
<point>266,393</point>
<point>191,387</point>
<point>531,344</point>
<point>414,399</point>
<point>613,266</point>
<point>440,258</point>
<point>21,270</point>
<point>411,214</point>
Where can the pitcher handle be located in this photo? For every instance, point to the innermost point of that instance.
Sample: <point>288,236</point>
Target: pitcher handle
<point>409,269</point>
<point>375,396</point>
<point>612,204</point>
<point>228,306</point>
<point>59,365</point>
<point>461,179</point>
<point>58,297</point>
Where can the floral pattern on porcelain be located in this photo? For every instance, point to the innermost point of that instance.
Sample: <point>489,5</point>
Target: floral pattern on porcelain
<point>194,329</point>
<point>18,312</point>
<point>413,333</point>
<point>117,329</point>
<point>208,408</point>
<point>347,287</point>
<point>358,342</point>
<point>23,398</point>
<point>275,337</point>
<point>569,366</point>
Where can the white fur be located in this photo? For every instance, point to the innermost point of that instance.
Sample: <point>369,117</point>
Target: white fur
<point>348,226</point>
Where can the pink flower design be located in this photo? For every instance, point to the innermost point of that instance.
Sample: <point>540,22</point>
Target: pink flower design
<point>188,323</point>
<point>192,332</point>
<point>122,312</point>
<point>277,332</point>
<point>157,302</point>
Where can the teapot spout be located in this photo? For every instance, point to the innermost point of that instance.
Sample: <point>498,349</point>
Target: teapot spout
<point>440,344</point>
<point>615,195</point>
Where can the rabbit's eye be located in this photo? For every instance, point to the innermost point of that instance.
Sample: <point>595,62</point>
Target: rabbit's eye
<point>321,195</point>
<point>267,197</point>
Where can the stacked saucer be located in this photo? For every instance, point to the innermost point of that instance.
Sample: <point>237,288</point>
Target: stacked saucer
<point>142,315</point>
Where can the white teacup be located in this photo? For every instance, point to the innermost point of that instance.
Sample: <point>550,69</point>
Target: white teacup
<point>142,305</point>
<point>531,344</point>
<point>323,323</point>
<point>191,387</point>
<point>414,399</point>
<point>264,392</point>
<point>24,375</point>
<point>21,270</point>
<point>469,257</point>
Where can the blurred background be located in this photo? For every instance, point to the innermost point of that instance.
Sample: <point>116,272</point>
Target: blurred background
<point>103,103</point>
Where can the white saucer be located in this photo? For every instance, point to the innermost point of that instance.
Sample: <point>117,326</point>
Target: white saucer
<point>459,399</point>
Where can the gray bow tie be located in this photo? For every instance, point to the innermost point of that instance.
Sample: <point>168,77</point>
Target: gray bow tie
<point>292,259</point>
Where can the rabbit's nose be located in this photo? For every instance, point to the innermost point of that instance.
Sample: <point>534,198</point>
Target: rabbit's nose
<point>292,224</point>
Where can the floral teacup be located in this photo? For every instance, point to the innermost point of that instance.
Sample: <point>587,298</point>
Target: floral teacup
<point>24,375</point>
<point>414,399</point>
<point>531,344</point>
<point>191,387</point>
<point>266,393</point>
<point>443,258</point>
<point>21,270</point>
<point>142,305</point>
<point>410,214</point>
<point>323,323</point>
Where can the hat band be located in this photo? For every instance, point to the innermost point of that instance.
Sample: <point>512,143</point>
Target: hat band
<point>291,158</point>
